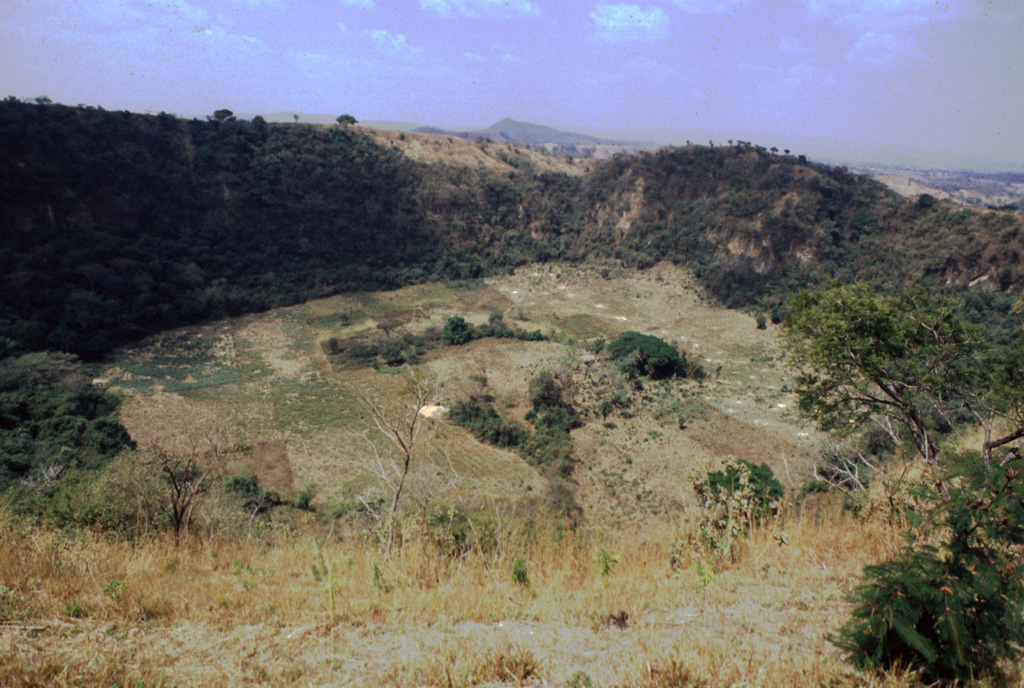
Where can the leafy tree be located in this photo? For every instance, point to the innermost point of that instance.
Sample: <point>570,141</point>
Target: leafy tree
<point>951,602</point>
<point>54,420</point>
<point>545,391</point>
<point>457,331</point>
<point>907,364</point>
<point>223,115</point>
<point>346,120</point>
<point>954,609</point>
<point>646,355</point>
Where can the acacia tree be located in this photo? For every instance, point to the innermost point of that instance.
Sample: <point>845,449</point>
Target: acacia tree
<point>187,478</point>
<point>184,453</point>
<point>907,364</point>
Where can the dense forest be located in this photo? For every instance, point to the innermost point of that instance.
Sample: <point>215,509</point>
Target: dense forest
<point>117,225</point>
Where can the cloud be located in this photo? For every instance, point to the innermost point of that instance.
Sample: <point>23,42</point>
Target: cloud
<point>803,76</point>
<point>389,41</point>
<point>253,3</point>
<point>628,22</point>
<point>120,12</point>
<point>889,13</point>
<point>880,48</point>
<point>221,34</point>
<point>707,6</point>
<point>505,58</point>
<point>473,8</point>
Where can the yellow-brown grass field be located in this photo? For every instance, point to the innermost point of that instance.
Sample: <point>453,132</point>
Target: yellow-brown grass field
<point>312,598</point>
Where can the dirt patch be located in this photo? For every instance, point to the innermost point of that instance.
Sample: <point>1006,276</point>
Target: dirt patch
<point>721,435</point>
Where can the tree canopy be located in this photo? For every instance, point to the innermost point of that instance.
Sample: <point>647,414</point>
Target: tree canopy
<point>647,355</point>
<point>907,363</point>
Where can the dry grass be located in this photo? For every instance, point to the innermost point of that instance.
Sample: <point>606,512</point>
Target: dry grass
<point>287,608</point>
<point>267,374</point>
<point>434,148</point>
<point>79,609</point>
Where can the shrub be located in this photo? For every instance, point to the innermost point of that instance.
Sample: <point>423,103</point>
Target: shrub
<point>756,481</point>
<point>646,355</point>
<point>953,610</point>
<point>457,331</point>
<point>246,487</point>
<point>456,530</point>
<point>732,501</point>
<point>304,500</point>
<point>487,424</point>
<point>393,355</point>
<point>520,574</point>
<point>545,391</point>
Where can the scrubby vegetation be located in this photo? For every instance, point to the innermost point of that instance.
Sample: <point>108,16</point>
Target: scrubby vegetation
<point>950,602</point>
<point>479,416</point>
<point>398,349</point>
<point>644,355</point>
<point>56,427</point>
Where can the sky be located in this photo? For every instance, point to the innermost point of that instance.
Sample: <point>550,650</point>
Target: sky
<point>904,82</point>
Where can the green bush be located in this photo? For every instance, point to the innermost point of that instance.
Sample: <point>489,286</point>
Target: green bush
<point>732,501</point>
<point>520,573</point>
<point>457,331</point>
<point>246,487</point>
<point>953,610</point>
<point>487,424</point>
<point>646,355</point>
<point>758,481</point>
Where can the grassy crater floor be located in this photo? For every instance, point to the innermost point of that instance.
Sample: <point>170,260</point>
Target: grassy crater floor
<point>267,384</point>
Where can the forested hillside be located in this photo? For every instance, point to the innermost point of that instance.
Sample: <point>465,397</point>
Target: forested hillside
<point>116,225</point>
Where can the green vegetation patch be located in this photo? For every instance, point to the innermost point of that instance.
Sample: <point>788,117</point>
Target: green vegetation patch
<point>53,420</point>
<point>644,355</point>
<point>308,405</point>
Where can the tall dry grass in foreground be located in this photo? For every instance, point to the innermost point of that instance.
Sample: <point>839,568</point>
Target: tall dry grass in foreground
<point>542,607</point>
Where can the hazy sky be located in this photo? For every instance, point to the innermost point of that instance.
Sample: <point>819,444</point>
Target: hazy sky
<point>942,78</point>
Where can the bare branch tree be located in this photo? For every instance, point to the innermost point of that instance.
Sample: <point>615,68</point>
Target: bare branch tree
<point>396,434</point>
<point>188,466</point>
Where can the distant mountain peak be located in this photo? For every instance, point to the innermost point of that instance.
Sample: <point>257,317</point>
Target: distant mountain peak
<point>515,131</point>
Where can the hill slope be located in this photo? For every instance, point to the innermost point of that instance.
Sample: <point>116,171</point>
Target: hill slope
<point>117,225</point>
